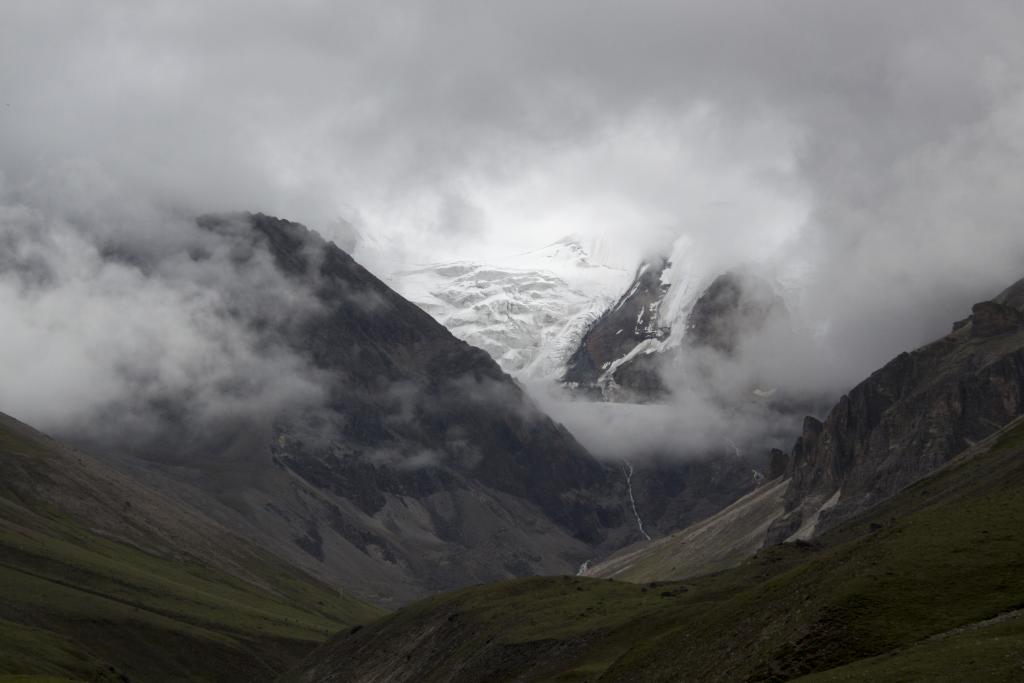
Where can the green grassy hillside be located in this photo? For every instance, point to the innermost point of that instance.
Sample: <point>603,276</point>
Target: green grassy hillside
<point>85,595</point>
<point>905,592</point>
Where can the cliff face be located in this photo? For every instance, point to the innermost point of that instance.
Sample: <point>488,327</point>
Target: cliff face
<point>908,418</point>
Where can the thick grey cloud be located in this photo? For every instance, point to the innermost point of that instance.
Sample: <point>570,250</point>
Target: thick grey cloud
<point>873,147</point>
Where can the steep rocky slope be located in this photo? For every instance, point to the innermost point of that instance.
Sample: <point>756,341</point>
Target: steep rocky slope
<point>104,579</point>
<point>721,541</point>
<point>421,466</point>
<point>908,418</point>
<point>860,604</point>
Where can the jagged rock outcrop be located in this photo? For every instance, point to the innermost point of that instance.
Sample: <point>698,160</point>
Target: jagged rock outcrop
<point>908,418</point>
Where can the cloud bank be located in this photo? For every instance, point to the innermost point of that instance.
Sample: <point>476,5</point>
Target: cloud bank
<point>873,149</point>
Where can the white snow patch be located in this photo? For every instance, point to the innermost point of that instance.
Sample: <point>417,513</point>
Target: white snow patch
<point>529,311</point>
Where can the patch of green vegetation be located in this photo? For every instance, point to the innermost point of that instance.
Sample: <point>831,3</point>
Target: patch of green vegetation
<point>31,649</point>
<point>994,654</point>
<point>76,605</point>
<point>945,553</point>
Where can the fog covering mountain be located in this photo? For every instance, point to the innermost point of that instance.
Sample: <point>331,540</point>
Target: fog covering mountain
<point>905,421</point>
<point>869,153</point>
<point>910,488</point>
<point>658,373</point>
<point>303,403</point>
<point>571,321</point>
<point>908,418</point>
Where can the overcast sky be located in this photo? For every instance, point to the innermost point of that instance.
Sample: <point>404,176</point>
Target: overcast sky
<point>876,144</point>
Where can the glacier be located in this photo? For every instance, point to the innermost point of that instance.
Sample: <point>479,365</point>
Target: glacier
<point>529,311</point>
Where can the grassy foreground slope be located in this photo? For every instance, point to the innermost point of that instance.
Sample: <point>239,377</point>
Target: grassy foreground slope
<point>927,585</point>
<point>102,579</point>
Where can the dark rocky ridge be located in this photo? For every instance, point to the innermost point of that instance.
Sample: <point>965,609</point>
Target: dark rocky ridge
<point>908,418</point>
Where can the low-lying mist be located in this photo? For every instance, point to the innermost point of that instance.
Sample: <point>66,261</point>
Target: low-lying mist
<point>126,319</point>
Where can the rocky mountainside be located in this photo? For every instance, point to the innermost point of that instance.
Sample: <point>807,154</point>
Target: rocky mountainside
<point>908,418</point>
<point>859,604</point>
<point>531,319</point>
<point>528,311</point>
<point>421,466</point>
<point>105,579</point>
<point>622,336</point>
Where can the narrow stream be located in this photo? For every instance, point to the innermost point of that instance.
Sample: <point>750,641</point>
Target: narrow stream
<point>628,468</point>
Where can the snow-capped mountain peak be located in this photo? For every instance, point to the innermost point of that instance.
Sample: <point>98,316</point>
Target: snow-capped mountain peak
<point>529,310</point>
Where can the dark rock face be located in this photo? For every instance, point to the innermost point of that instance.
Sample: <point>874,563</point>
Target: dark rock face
<point>632,320</point>
<point>991,319</point>
<point>908,418</point>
